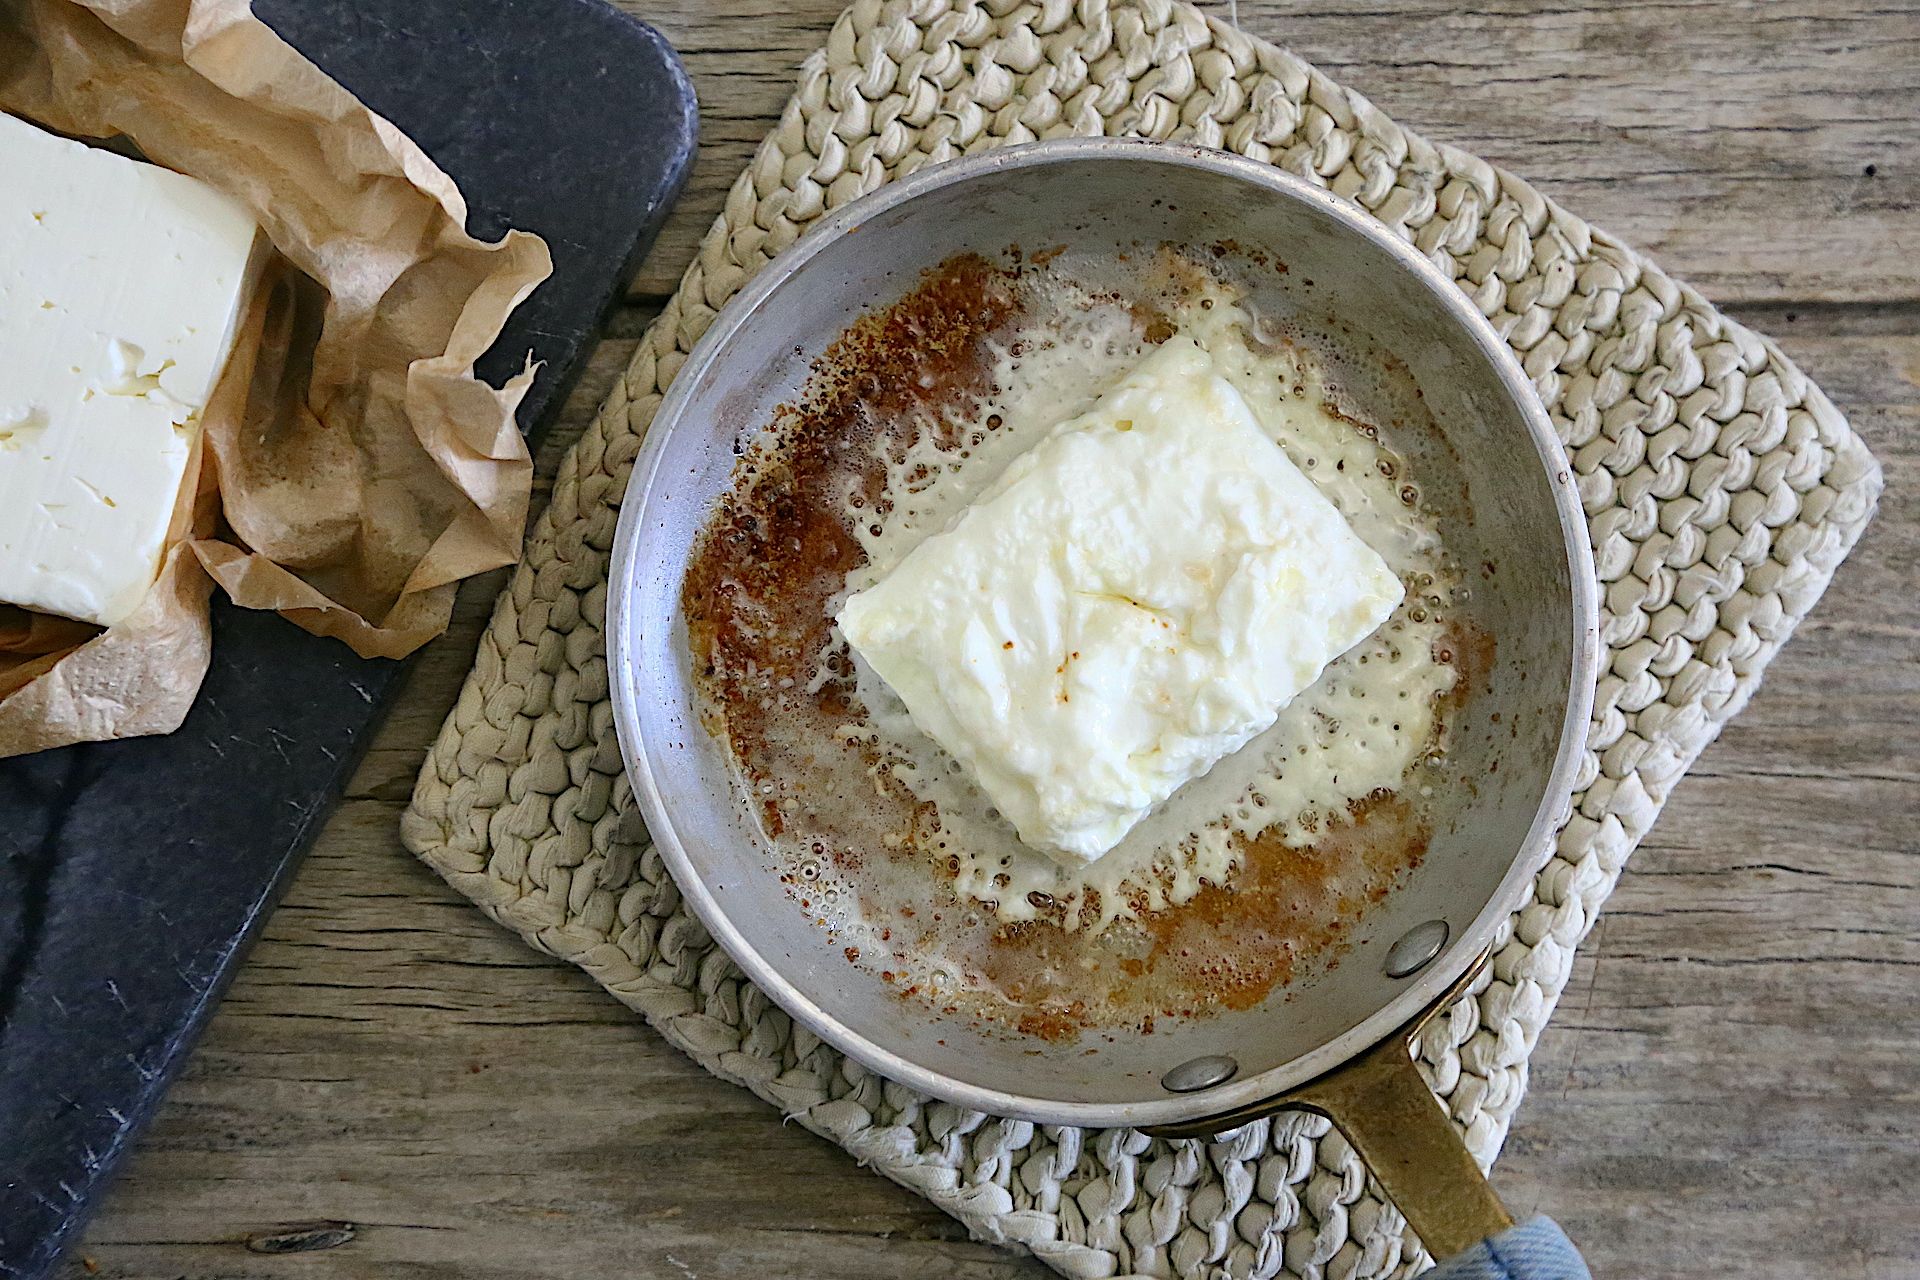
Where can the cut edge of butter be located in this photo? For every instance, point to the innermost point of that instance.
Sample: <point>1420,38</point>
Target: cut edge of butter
<point>122,288</point>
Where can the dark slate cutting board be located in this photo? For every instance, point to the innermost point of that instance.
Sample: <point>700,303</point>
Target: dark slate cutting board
<point>134,874</point>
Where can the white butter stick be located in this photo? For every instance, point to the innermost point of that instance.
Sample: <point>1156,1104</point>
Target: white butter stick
<point>1133,599</point>
<point>121,284</point>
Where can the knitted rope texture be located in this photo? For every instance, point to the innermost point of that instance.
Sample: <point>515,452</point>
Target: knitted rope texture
<point>1721,486</point>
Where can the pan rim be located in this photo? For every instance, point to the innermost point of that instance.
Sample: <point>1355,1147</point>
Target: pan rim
<point>639,754</point>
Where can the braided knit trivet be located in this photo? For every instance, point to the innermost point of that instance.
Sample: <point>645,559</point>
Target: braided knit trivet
<point>1721,486</point>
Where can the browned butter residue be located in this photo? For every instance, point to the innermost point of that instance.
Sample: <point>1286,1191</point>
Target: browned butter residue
<point>1286,911</point>
<point>777,549</point>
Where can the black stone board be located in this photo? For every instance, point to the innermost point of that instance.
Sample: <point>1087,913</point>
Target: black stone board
<point>134,874</point>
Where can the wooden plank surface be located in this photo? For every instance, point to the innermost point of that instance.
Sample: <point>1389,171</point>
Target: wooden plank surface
<point>1732,1083</point>
<point>1731,139</point>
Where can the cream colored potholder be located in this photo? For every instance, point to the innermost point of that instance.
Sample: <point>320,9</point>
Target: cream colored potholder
<point>1722,489</point>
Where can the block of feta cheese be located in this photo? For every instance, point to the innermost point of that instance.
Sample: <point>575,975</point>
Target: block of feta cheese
<point>1130,601</point>
<point>121,284</point>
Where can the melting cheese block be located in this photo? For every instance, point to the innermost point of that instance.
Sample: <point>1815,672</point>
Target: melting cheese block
<point>121,284</point>
<point>1130,601</point>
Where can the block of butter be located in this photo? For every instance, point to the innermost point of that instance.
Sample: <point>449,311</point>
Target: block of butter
<point>1130,601</point>
<point>121,284</point>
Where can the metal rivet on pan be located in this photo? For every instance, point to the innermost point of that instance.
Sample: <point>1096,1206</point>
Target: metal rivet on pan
<point>1416,948</point>
<point>1196,1074</point>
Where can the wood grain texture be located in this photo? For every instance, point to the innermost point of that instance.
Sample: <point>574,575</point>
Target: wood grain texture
<point>1732,140</point>
<point>1732,1082</point>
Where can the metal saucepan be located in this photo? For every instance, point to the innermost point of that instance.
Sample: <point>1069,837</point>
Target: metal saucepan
<point>1338,1042</point>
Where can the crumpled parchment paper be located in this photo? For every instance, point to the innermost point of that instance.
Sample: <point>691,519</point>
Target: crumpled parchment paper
<point>353,470</point>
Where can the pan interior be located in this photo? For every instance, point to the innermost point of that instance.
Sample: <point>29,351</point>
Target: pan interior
<point>1505,741</point>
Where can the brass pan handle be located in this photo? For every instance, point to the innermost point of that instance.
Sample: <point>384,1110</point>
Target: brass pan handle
<point>1380,1104</point>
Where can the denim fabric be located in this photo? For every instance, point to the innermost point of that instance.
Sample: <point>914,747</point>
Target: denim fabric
<point>1537,1249</point>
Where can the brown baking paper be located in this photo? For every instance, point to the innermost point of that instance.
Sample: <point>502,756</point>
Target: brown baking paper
<point>353,470</point>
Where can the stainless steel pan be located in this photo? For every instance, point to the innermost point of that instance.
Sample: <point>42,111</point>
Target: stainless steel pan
<point>1336,1043</point>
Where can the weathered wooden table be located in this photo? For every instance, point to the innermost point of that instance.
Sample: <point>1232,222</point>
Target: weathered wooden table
<point>1732,1084</point>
